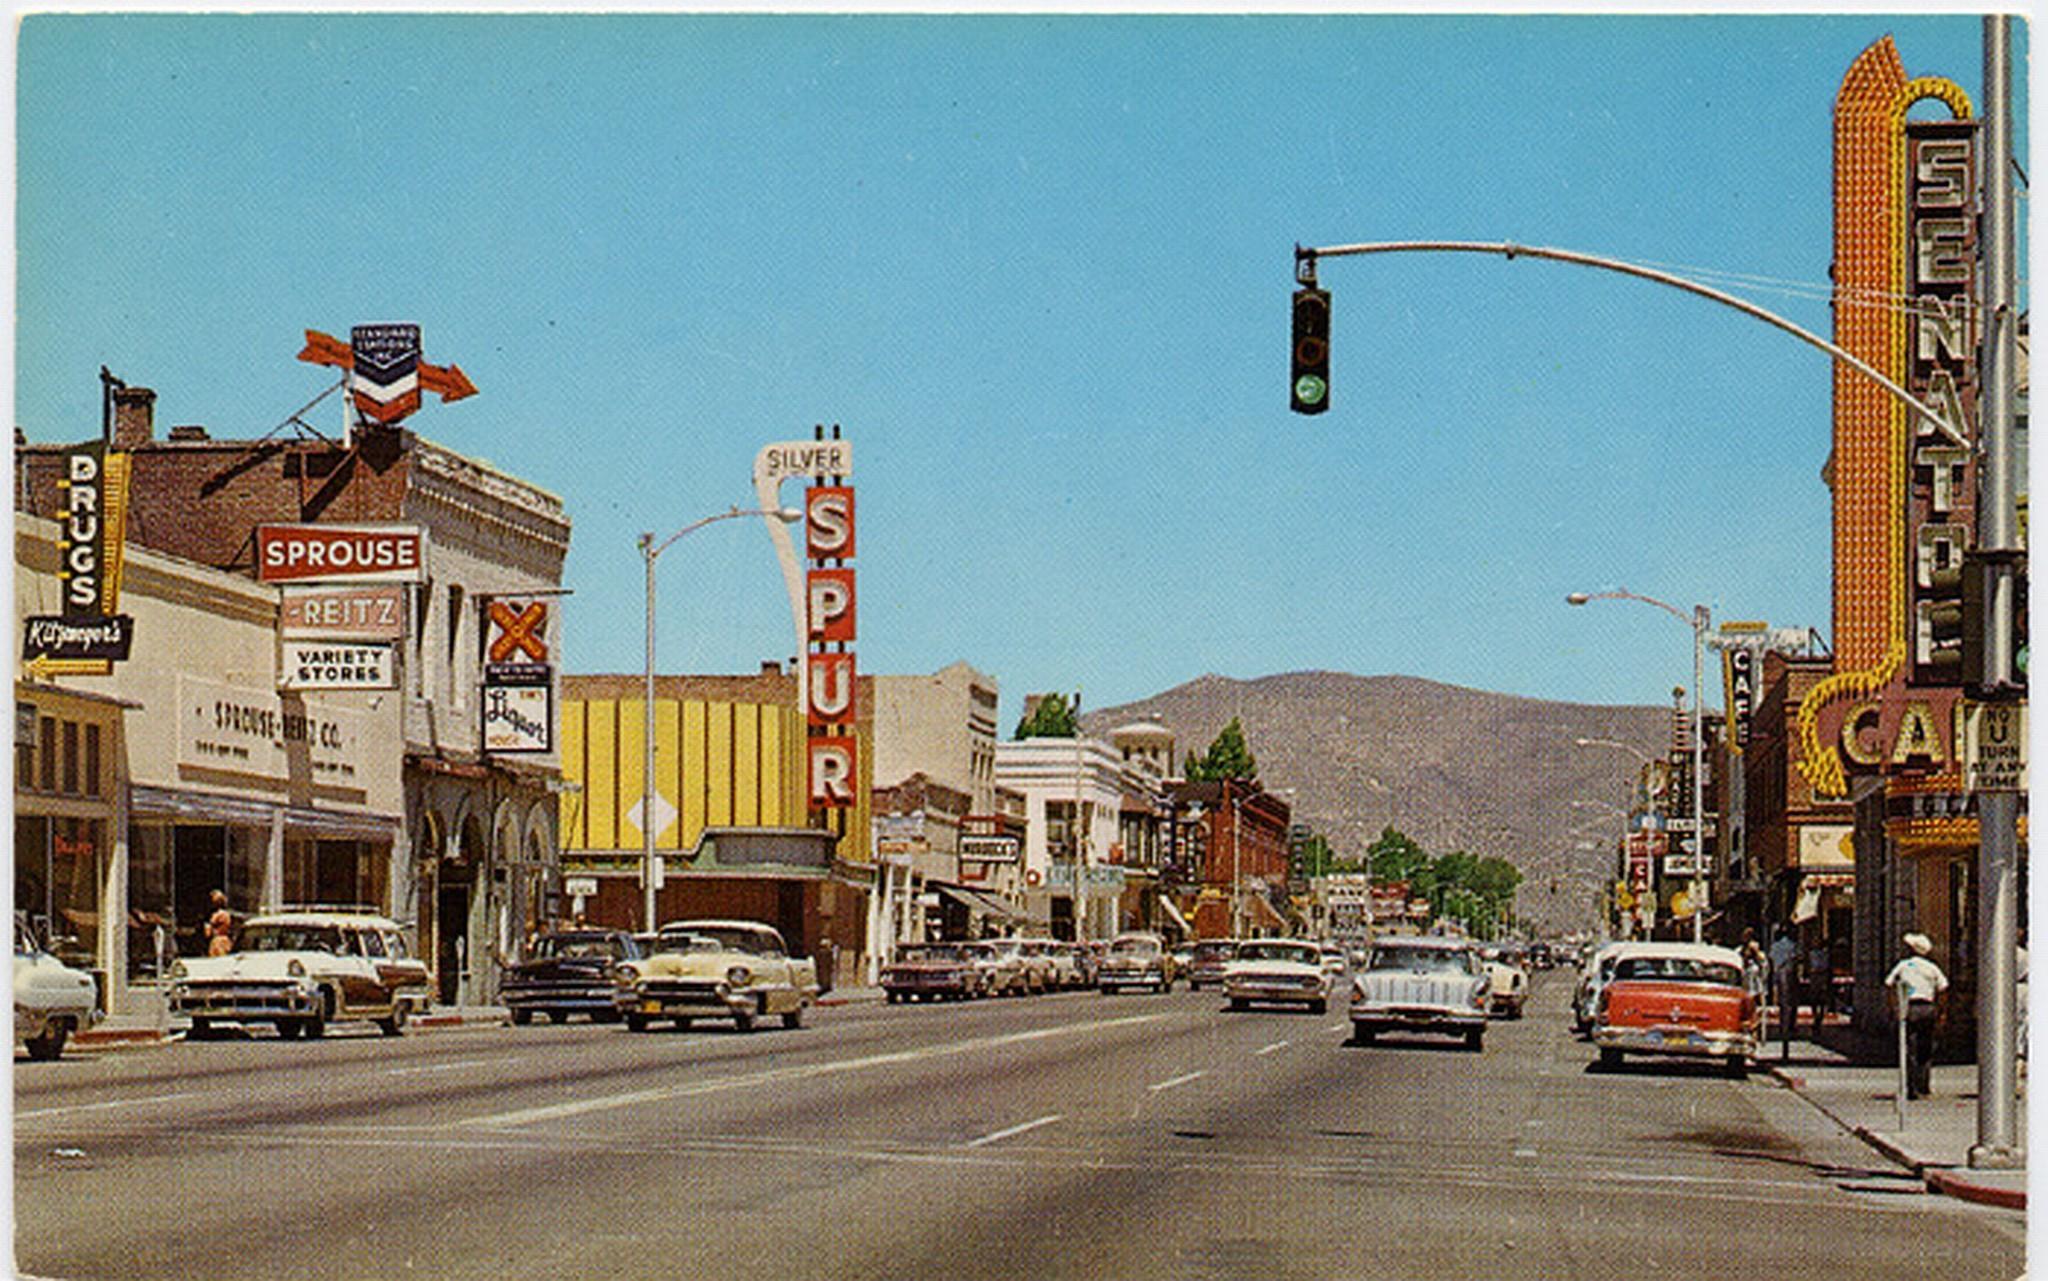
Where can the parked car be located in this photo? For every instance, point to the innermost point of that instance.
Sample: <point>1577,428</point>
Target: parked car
<point>303,971</point>
<point>51,999</point>
<point>569,972</point>
<point>1333,959</point>
<point>1042,972</point>
<point>1507,983</point>
<point>718,969</point>
<point>1688,999</point>
<point>1069,965</point>
<point>1183,956</point>
<point>1288,971</point>
<point>1001,968</point>
<point>932,971</point>
<point>1587,992</point>
<point>1136,959</point>
<point>1421,983</point>
<point>1208,961</point>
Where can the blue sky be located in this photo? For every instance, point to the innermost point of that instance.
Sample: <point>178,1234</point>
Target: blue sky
<point>1038,269</point>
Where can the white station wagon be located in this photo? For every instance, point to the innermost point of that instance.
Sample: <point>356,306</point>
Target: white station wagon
<point>301,971</point>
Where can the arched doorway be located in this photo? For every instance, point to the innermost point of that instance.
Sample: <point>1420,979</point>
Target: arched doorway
<point>454,899</point>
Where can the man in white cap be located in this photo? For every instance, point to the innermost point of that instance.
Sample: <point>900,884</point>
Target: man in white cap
<point>1917,984</point>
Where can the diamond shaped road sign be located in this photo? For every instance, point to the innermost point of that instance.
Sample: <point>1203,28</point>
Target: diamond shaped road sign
<point>664,814</point>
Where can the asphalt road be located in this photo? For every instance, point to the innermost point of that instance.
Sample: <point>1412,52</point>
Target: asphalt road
<point>1064,1136</point>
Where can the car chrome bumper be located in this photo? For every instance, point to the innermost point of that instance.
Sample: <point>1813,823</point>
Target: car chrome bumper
<point>244,1002</point>
<point>1411,1016</point>
<point>1675,1040</point>
<point>562,998</point>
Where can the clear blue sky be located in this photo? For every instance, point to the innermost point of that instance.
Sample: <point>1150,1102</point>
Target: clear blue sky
<point>1038,268</point>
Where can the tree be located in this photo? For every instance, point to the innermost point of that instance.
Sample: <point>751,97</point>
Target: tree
<point>1227,757</point>
<point>1052,718</point>
<point>1395,857</point>
<point>1317,858</point>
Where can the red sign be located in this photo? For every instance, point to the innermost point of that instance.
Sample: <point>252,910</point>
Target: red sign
<point>833,779</point>
<point>340,553</point>
<point>828,522</point>
<point>832,604</point>
<point>344,613</point>
<point>519,626</point>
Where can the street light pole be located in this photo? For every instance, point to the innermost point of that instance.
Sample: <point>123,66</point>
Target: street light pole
<point>1698,622</point>
<point>651,551</point>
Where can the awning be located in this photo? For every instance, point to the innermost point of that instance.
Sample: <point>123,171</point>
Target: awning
<point>1173,914</point>
<point>1807,906</point>
<point>1263,914</point>
<point>976,901</point>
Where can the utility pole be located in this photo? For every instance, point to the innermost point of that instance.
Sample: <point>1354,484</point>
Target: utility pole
<point>1997,811</point>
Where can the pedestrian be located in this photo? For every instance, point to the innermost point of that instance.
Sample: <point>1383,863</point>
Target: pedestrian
<point>1917,985</point>
<point>220,926</point>
<point>1820,981</point>
<point>1783,957</point>
<point>1756,967</point>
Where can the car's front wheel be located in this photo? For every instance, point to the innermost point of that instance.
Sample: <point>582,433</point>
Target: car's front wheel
<point>743,1020</point>
<point>394,1025</point>
<point>793,1018</point>
<point>1475,1039</point>
<point>50,1044</point>
<point>636,1022</point>
<point>520,1018</point>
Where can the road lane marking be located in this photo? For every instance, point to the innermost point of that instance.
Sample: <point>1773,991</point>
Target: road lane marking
<point>1170,1082</point>
<point>1012,1131</point>
<point>578,1107</point>
<point>1525,1152</point>
<point>440,1067</point>
<point>100,1107</point>
<point>1268,1049</point>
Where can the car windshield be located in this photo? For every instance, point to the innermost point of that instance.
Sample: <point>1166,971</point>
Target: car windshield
<point>1295,952</point>
<point>291,938</point>
<point>734,938</point>
<point>1215,951</point>
<point>1422,960</point>
<point>564,946</point>
<point>1677,969</point>
<point>1134,947</point>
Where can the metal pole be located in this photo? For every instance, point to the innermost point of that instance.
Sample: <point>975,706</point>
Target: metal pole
<point>647,732</point>
<point>1997,812</point>
<point>1236,864</point>
<point>1699,782</point>
<point>1899,1098</point>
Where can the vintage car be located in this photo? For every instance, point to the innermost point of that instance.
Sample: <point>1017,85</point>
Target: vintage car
<point>1042,972</point>
<point>1208,960</point>
<point>1277,970</point>
<point>1421,983</point>
<point>301,971</point>
<point>569,972</point>
<point>1001,969</point>
<point>1689,999</point>
<point>51,999</point>
<point>1073,965</point>
<point>1136,959</point>
<point>1333,959</point>
<point>932,971</point>
<point>736,970</point>
<point>1507,983</point>
<point>1598,969</point>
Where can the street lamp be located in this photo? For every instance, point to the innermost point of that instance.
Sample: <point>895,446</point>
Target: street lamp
<point>1698,623</point>
<point>651,551</point>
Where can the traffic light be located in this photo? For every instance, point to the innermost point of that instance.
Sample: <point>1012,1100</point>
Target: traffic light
<point>1310,388</point>
<point>1980,573</point>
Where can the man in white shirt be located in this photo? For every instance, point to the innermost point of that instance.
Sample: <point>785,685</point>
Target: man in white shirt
<point>1917,984</point>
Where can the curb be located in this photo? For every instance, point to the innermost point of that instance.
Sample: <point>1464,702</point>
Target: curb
<point>1948,1183</point>
<point>121,1036</point>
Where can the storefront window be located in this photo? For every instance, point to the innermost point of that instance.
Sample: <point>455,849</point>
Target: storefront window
<point>173,868</point>
<point>335,873</point>
<point>152,901</point>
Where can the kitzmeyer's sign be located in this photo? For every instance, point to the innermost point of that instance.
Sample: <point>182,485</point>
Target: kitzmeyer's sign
<point>89,635</point>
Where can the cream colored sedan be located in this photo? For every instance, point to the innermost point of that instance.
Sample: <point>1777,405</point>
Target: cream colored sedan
<point>717,969</point>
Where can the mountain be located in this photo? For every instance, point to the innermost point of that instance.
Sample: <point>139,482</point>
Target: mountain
<point>1454,768</point>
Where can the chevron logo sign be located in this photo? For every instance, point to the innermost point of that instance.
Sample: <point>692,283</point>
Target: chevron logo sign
<point>384,374</point>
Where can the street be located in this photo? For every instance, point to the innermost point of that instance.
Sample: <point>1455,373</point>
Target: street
<point>1063,1136</point>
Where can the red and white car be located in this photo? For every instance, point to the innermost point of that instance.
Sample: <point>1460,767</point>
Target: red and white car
<point>1686,999</point>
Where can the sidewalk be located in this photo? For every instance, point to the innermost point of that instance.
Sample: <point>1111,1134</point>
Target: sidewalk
<point>1940,1129</point>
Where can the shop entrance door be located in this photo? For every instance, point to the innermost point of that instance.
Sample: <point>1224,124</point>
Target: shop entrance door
<point>199,866</point>
<point>451,932</point>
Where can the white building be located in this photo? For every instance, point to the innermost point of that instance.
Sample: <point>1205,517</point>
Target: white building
<point>1073,792</point>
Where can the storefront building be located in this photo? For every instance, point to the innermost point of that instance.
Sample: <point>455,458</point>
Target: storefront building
<point>733,831</point>
<point>186,770</point>
<point>475,832</point>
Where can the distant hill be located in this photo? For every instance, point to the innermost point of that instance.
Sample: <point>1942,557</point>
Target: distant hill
<point>1455,768</point>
